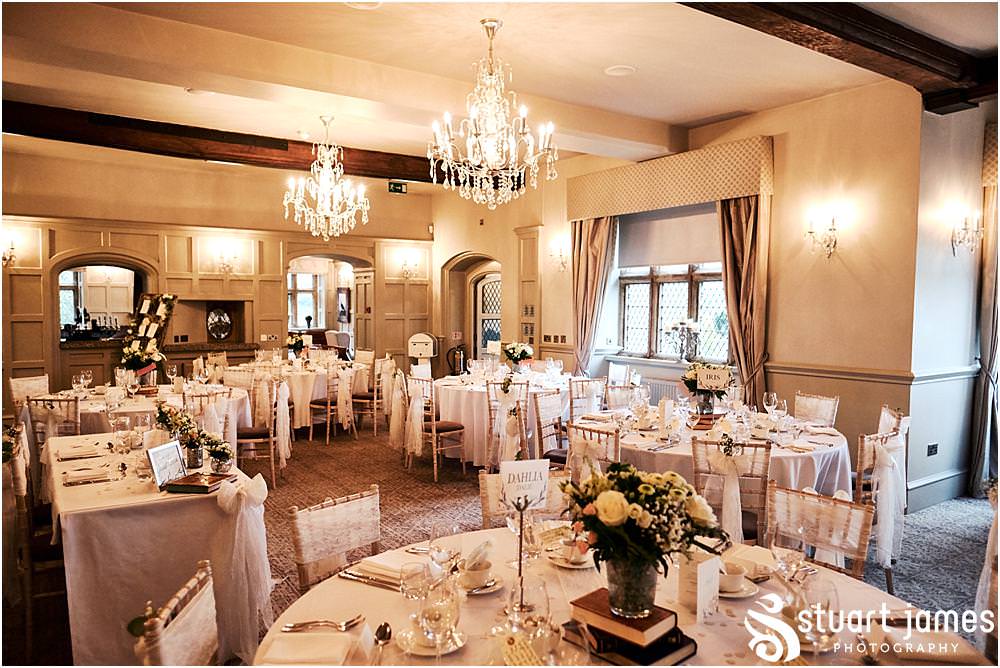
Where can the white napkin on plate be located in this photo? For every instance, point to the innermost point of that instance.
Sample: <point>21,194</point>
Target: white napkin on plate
<point>803,446</point>
<point>596,417</point>
<point>86,476</point>
<point>308,647</point>
<point>78,451</point>
<point>386,565</point>
<point>826,431</point>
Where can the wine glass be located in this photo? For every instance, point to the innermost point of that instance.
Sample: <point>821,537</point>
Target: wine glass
<point>77,383</point>
<point>439,613</point>
<point>87,376</point>
<point>121,426</point>
<point>445,546</point>
<point>528,604</point>
<point>414,581</point>
<point>132,384</point>
<point>770,401</point>
<point>171,372</point>
<point>820,597</point>
<point>780,411</point>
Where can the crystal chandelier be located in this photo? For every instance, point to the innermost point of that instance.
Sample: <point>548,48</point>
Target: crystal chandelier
<point>496,156</point>
<point>325,203</point>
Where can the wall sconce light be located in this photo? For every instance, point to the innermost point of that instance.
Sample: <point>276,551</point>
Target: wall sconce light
<point>408,269</point>
<point>9,257</point>
<point>561,258</point>
<point>966,236</point>
<point>826,240</point>
<point>226,263</point>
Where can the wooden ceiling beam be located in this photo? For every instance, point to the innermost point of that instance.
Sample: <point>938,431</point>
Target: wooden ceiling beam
<point>853,34</point>
<point>185,141</point>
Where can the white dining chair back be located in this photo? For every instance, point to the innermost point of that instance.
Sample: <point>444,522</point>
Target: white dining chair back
<point>585,395</point>
<point>183,632</point>
<point>617,397</point>
<point>889,419</point>
<point>816,408</point>
<point>21,389</point>
<point>617,373</point>
<point>325,533</point>
<point>752,466</point>
<point>591,448</point>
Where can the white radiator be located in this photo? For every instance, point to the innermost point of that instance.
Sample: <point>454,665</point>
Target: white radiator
<point>662,389</point>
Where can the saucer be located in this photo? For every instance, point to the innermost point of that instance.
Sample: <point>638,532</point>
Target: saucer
<point>456,642</point>
<point>747,590</point>
<point>496,586</point>
<point>563,562</point>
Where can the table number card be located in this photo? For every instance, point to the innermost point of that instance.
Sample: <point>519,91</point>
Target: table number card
<point>492,347</point>
<point>525,481</point>
<point>714,379</point>
<point>698,584</point>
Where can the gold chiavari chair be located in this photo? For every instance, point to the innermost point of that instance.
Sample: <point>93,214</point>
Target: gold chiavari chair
<point>754,468</point>
<point>327,406</point>
<point>868,445</point>
<point>519,392</point>
<point>196,403</point>
<point>369,402</point>
<point>617,397</point>
<point>601,445</point>
<point>581,396</point>
<point>323,534</point>
<point>443,435</point>
<point>550,435</point>
<point>54,417</point>
<point>261,441</point>
<point>816,408</point>
<point>821,522</point>
<point>495,511</point>
<point>184,631</point>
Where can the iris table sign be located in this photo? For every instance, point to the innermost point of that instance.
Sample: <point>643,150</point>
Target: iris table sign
<point>776,638</point>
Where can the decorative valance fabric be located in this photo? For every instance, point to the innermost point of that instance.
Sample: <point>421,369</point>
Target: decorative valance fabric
<point>718,172</point>
<point>990,155</point>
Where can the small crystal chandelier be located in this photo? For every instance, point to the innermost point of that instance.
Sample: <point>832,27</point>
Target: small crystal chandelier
<point>336,200</point>
<point>965,236</point>
<point>496,156</point>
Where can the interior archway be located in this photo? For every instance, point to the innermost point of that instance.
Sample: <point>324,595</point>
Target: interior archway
<point>459,278</point>
<point>331,293</point>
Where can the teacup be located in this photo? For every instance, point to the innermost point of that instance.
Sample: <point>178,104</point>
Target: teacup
<point>477,577</point>
<point>732,579</point>
<point>572,553</point>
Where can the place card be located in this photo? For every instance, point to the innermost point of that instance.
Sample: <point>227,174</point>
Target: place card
<point>151,332</point>
<point>492,347</point>
<point>714,379</point>
<point>698,584</point>
<point>145,306</point>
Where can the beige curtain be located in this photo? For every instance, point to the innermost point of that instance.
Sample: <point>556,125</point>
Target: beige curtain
<point>984,407</point>
<point>593,255</point>
<point>745,225</point>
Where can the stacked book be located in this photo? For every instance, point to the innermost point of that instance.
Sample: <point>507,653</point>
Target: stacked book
<point>621,641</point>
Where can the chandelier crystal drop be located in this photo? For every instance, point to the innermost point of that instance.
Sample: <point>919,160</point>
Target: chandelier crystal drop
<point>326,203</point>
<point>495,156</point>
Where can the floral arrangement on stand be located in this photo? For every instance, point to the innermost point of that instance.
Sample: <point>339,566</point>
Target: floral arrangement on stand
<point>706,398</point>
<point>518,352</point>
<point>179,423</point>
<point>636,522</point>
<point>295,343</point>
<point>141,358</point>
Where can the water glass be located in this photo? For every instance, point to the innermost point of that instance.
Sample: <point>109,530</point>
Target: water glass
<point>445,546</point>
<point>121,425</point>
<point>171,372</point>
<point>528,604</point>
<point>77,383</point>
<point>87,377</point>
<point>770,401</point>
<point>820,597</point>
<point>439,613</point>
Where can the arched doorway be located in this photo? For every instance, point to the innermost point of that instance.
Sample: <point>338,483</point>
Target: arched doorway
<point>462,278</point>
<point>331,293</point>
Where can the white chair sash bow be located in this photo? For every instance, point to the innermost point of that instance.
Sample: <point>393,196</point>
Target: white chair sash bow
<point>593,397</point>
<point>386,386</point>
<point>415,425</point>
<point>345,404</point>
<point>249,580</point>
<point>507,429</point>
<point>586,455</point>
<point>730,468</point>
<point>889,493</point>
<point>397,419</point>
<point>282,426</point>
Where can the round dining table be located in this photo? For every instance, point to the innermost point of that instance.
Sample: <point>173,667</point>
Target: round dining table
<point>721,637</point>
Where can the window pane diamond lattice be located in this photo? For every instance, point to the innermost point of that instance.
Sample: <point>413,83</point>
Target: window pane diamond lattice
<point>636,330</point>
<point>672,306</point>
<point>713,321</point>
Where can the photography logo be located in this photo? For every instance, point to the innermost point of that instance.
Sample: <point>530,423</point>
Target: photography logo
<point>771,638</point>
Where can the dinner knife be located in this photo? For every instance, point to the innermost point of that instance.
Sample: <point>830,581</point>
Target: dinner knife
<point>364,579</point>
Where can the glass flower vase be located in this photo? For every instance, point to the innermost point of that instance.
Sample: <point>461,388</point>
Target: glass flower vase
<point>706,403</point>
<point>221,465</point>
<point>195,457</point>
<point>631,587</point>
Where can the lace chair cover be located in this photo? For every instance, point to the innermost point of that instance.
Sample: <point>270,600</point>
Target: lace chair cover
<point>366,357</point>
<point>282,423</point>
<point>816,408</point>
<point>889,419</point>
<point>885,456</point>
<point>345,402</point>
<point>548,419</point>
<point>617,373</point>
<point>415,422</point>
<point>585,396</point>
<point>184,631</point>
<point>588,448</point>
<point>241,377</point>
<point>986,592</point>
<point>732,484</point>
<point>386,371</point>
<point>28,386</point>
<point>829,556</point>
<point>323,534</point>
<point>618,396</point>
<point>397,418</point>
<point>249,571</point>
<point>826,523</point>
<point>494,510</point>
<point>217,359</point>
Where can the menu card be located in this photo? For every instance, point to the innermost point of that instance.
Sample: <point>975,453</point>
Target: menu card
<point>698,584</point>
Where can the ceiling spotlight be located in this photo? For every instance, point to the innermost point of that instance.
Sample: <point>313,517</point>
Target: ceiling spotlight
<point>619,70</point>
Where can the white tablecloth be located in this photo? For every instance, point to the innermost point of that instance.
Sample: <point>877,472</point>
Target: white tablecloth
<point>125,543</point>
<point>827,468</point>
<point>305,386</point>
<point>721,639</point>
<point>466,404</point>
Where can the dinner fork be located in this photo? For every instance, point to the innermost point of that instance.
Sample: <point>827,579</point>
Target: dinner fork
<point>293,627</point>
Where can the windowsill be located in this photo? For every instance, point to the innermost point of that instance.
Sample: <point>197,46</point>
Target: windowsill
<point>666,365</point>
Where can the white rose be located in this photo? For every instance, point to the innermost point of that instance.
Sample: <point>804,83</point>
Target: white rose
<point>645,520</point>
<point>635,511</point>
<point>699,510</point>
<point>612,508</point>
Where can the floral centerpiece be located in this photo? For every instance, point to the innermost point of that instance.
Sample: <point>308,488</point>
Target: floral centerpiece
<point>635,523</point>
<point>141,355</point>
<point>518,352</point>
<point>295,343</point>
<point>9,441</point>
<point>174,420</point>
<point>218,451</point>
<point>706,398</point>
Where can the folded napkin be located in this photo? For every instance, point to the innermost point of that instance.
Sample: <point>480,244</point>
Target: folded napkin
<point>386,565</point>
<point>934,647</point>
<point>86,476</point>
<point>308,647</point>
<point>596,417</point>
<point>803,446</point>
<point>751,557</point>
<point>78,451</point>
<point>480,556</point>
<point>828,431</point>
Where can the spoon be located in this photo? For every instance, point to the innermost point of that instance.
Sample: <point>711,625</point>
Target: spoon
<point>383,634</point>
